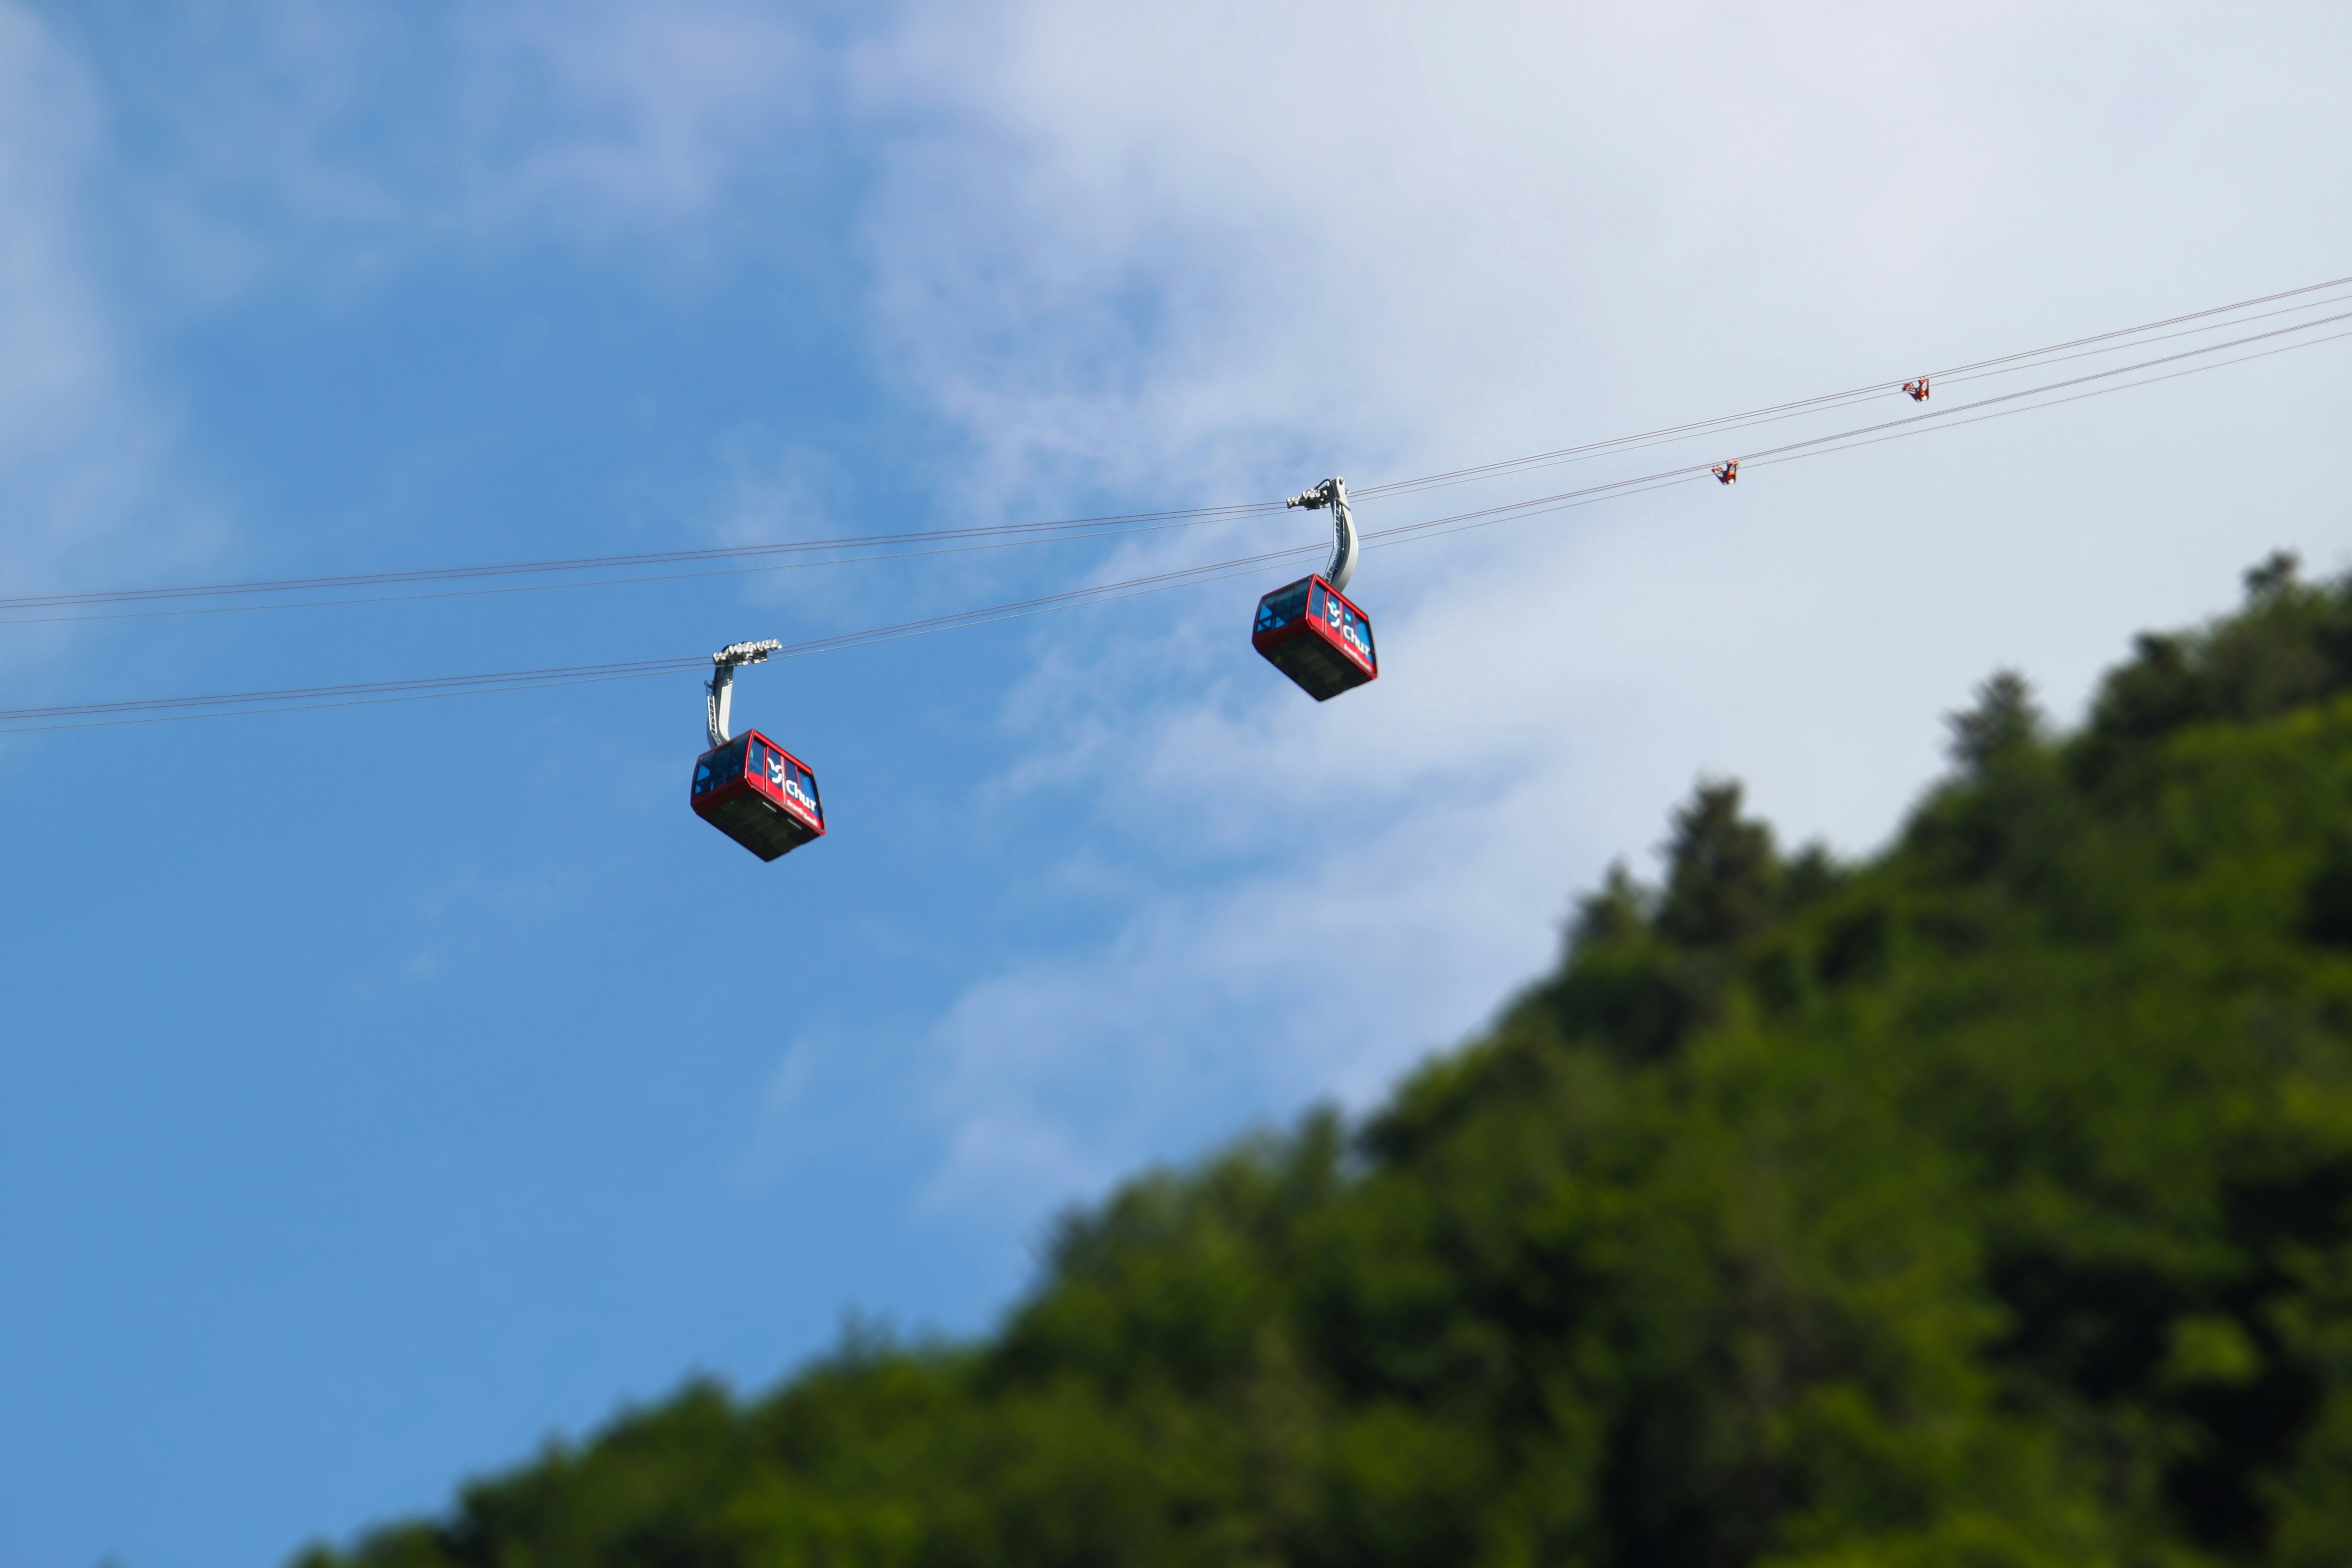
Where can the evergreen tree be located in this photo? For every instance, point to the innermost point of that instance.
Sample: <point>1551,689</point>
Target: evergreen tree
<point>1984,1202</point>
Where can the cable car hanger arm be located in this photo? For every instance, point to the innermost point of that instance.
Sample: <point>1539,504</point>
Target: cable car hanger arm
<point>721,691</point>
<point>1333,493</point>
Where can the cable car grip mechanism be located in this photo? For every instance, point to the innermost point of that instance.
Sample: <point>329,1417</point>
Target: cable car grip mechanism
<point>720,689</point>
<point>1333,493</point>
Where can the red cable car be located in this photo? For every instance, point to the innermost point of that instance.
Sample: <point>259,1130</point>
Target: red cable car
<point>1308,629</point>
<point>746,785</point>
<point>1317,637</point>
<point>758,795</point>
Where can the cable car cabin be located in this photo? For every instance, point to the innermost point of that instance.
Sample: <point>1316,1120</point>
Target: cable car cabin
<point>758,795</point>
<point>1317,637</point>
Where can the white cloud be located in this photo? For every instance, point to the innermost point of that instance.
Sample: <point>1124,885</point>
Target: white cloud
<point>319,144</point>
<point>1223,252</point>
<point>775,489</point>
<point>643,113</point>
<point>331,142</point>
<point>77,445</point>
<point>54,366</point>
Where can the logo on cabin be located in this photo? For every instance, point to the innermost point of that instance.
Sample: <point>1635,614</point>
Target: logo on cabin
<point>793,790</point>
<point>1351,631</point>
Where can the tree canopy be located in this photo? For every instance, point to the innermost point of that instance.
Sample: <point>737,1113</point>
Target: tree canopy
<point>1985,1201</point>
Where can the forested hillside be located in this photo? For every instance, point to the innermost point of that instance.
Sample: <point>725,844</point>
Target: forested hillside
<point>1987,1202</point>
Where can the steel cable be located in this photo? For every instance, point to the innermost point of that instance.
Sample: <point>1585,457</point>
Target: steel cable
<point>108,714</point>
<point>1007,536</point>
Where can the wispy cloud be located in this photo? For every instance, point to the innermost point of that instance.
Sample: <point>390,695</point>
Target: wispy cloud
<point>1221,255</point>
<point>339,143</point>
<point>78,443</point>
<point>641,114</point>
<point>324,147</point>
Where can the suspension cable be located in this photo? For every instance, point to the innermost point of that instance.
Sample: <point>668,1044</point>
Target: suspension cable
<point>108,714</point>
<point>887,546</point>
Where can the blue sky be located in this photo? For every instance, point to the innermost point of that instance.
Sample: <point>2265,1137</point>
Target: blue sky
<point>386,1089</point>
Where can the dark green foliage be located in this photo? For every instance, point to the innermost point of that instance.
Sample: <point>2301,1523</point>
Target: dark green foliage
<point>2004,724</point>
<point>1722,873</point>
<point>1988,1202</point>
<point>2291,645</point>
<point>2327,897</point>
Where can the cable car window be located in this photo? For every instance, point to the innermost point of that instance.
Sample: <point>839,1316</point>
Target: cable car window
<point>801,783</point>
<point>1281,607</point>
<point>1350,628</point>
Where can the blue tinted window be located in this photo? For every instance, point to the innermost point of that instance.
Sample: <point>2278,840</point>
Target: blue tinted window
<point>1281,607</point>
<point>797,783</point>
<point>715,768</point>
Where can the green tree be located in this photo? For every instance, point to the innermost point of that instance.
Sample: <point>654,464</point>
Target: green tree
<point>1986,1202</point>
